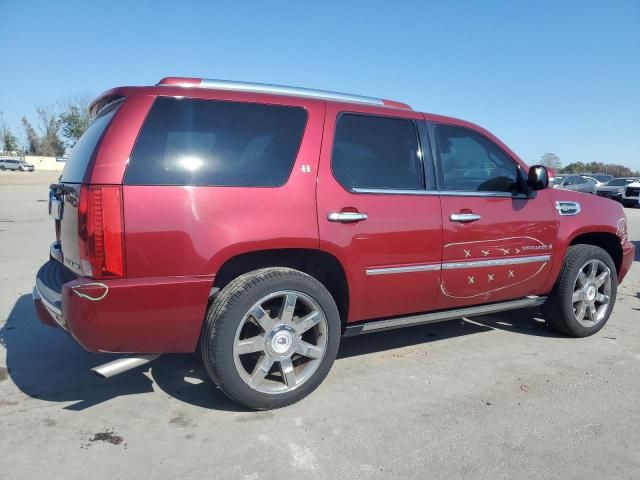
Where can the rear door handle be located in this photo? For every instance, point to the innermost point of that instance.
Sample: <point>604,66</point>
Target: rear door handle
<point>464,217</point>
<point>347,217</point>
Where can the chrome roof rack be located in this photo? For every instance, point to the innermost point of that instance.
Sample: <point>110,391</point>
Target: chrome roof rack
<point>275,89</point>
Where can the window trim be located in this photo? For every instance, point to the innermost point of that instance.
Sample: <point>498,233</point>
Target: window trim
<point>433,126</point>
<point>384,191</point>
<point>286,179</point>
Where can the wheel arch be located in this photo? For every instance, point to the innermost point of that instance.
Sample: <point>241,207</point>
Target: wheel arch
<point>609,242</point>
<point>321,265</point>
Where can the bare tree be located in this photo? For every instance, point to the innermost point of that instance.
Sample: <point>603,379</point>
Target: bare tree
<point>47,141</point>
<point>551,160</point>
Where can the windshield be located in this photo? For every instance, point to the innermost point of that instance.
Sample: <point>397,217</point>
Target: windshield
<point>617,182</point>
<point>601,177</point>
<point>558,180</point>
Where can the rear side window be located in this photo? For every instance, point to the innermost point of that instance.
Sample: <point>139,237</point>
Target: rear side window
<point>470,162</point>
<point>78,161</point>
<point>212,142</point>
<point>377,153</point>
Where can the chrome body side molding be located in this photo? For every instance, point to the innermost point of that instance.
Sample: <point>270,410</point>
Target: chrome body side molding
<point>407,321</point>
<point>457,265</point>
<point>408,269</point>
<point>496,262</point>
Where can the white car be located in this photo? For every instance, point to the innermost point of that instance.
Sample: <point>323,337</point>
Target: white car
<point>631,194</point>
<point>15,164</point>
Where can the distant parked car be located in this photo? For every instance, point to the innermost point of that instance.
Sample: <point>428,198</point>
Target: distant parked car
<point>577,183</point>
<point>614,189</point>
<point>16,164</point>
<point>600,178</point>
<point>631,194</point>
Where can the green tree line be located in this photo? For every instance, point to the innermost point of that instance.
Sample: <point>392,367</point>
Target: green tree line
<point>553,161</point>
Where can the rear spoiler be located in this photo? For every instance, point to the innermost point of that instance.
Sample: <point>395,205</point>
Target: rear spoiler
<point>102,102</point>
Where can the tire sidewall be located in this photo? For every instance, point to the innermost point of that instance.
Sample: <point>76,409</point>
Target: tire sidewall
<point>583,254</point>
<point>219,358</point>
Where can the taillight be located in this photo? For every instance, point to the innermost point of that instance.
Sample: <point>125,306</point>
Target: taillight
<point>100,228</point>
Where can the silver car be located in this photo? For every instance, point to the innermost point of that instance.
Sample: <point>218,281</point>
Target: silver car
<point>615,188</point>
<point>577,183</point>
<point>15,164</point>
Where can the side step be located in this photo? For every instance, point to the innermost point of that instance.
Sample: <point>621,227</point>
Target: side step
<point>398,322</point>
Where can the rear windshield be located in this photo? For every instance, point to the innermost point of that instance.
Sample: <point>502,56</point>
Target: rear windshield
<point>213,142</point>
<point>80,157</point>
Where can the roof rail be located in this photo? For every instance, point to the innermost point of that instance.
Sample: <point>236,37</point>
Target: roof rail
<point>277,90</point>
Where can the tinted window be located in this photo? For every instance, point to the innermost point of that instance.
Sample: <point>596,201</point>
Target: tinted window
<point>82,152</point>
<point>470,162</point>
<point>210,142</point>
<point>377,152</point>
<point>617,182</point>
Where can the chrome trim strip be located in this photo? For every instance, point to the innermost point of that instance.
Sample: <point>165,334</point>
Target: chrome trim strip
<point>378,325</point>
<point>447,193</point>
<point>54,311</point>
<point>410,268</point>
<point>495,261</point>
<point>284,90</point>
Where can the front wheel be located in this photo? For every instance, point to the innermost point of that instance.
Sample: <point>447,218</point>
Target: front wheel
<point>2,167</point>
<point>585,292</point>
<point>271,337</point>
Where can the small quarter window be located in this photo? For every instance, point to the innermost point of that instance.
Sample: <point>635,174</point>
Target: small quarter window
<point>471,163</point>
<point>377,153</point>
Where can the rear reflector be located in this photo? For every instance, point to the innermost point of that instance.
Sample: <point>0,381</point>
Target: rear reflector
<point>100,226</point>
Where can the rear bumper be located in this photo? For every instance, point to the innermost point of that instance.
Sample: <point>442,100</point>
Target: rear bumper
<point>148,315</point>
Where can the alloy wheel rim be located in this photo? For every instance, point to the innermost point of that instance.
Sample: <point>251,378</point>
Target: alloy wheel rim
<point>280,342</point>
<point>592,293</point>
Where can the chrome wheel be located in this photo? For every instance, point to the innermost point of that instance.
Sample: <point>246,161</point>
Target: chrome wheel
<point>592,293</point>
<point>280,342</point>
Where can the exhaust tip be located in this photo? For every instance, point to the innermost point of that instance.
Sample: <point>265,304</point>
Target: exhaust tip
<point>121,365</point>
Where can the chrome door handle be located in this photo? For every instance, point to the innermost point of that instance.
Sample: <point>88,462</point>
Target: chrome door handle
<point>464,217</point>
<point>347,217</point>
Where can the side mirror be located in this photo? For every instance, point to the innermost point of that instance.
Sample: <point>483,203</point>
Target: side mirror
<point>538,177</point>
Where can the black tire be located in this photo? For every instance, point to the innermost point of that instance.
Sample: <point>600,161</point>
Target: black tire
<point>559,311</point>
<point>2,167</point>
<point>226,313</point>
<point>628,203</point>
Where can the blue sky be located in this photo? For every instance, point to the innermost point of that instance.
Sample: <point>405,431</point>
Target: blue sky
<point>557,76</point>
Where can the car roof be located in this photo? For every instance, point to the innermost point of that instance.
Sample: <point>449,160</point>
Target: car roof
<point>212,88</point>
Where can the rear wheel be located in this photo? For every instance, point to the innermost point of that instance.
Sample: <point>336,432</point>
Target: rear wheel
<point>628,203</point>
<point>271,337</point>
<point>2,167</point>
<point>583,297</point>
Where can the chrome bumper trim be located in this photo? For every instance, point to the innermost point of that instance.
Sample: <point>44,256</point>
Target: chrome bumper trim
<point>54,311</point>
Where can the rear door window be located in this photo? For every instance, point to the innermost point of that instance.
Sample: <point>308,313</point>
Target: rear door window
<point>217,143</point>
<point>371,152</point>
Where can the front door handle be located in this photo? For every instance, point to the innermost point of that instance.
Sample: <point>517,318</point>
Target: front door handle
<point>464,217</point>
<point>347,217</point>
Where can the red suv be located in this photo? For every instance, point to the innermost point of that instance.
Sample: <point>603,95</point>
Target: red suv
<point>260,224</point>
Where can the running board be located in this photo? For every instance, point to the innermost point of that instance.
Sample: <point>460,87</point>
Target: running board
<point>399,322</point>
